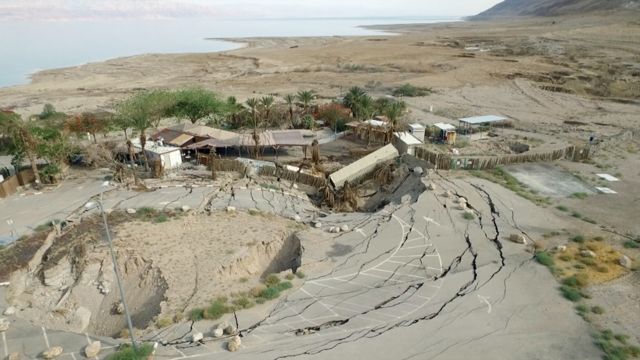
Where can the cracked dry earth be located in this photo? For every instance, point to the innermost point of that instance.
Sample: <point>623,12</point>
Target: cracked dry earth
<point>415,281</point>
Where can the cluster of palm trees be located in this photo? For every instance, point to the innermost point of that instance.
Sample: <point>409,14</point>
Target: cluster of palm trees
<point>363,107</point>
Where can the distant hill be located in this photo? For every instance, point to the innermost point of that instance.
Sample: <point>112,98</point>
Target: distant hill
<point>509,8</point>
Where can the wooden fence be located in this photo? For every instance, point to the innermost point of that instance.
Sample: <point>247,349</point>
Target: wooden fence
<point>10,185</point>
<point>294,176</point>
<point>450,162</point>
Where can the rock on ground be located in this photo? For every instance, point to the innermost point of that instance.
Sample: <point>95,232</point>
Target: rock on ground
<point>231,209</point>
<point>518,238</point>
<point>317,225</point>
<point>196,337</point>
<point>53,352</point>
<point>217,332</point>
<point>625,261</point>
<point>230,330</point>
<point>131,211</point>
<point>93,349</point>
<point>588,253</point>
<point>186,208</point>
<point>9,311</point>
<point>561,248</point>
<point>344,228</point>
<point>234,344</point>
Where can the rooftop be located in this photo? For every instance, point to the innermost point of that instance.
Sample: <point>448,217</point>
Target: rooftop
<point>445,126</point>
<point>482,119</point>
<point>407,138</point>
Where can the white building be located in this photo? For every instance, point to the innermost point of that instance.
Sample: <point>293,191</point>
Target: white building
<point>169,156</point>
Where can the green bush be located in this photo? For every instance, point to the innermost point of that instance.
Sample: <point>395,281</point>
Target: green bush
<point>468,216</point>
<point>285,285</point>
<point>582,308</point>
<point>216,310</point>
<point>578,239</point>
<point>161,218</point>
<point>576,214</point>
<point>271,279</point>
<point>126,352</point>
<point>544,258</point>
<point>411,91</point>
<point>300,274</point>
<point>597,310</point>
<point>289,276</point>
<point>631,244</point>
<point>562,208</point>
<point>196,314</point>
<point>270,293</point>
<point>579,195</point>
<point>615,346</point>
<point>570,293</point>
<point>243,302</point>
<point>570,281</point>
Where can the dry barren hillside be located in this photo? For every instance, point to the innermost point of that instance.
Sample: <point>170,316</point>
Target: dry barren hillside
<point>557,7</point>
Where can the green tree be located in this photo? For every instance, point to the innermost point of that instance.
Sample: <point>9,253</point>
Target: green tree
<point>393,112</point>
<point>24,144</point>
<point>86,123</point>
<point>48,110</point>
<point>233,111</point>
<point>143,111</point>
<point>267,103</point>
<point>305,99</point>
<point>253,105</point>
<point>195,104</point>
<point>359,102</point>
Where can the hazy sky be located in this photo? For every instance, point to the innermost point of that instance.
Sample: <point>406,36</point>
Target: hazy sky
<point>88,9</point>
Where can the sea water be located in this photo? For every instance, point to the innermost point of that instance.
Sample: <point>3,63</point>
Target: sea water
<point>28,46</point>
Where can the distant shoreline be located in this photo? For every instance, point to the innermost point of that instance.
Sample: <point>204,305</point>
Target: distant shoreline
<point>237,44</point>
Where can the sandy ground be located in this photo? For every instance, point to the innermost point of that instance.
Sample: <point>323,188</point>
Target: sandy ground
<point>517,77</point>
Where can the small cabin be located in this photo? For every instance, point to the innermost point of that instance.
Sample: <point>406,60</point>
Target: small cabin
<point>445,133</point>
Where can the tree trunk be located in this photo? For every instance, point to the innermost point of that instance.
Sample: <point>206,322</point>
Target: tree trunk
<point>34,168</point>
<point>95,140</point>
<point>126,136</point>
<point>143,143</point>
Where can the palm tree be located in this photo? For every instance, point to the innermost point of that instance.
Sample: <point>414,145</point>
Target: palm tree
<point>266,103</point>
<point>253,105</point>
<point>359,102</point>
<point>24,142</point>
<point>233,110</point>
<point>393,112</point>
<point>306,97</point>
<point>290,101</point>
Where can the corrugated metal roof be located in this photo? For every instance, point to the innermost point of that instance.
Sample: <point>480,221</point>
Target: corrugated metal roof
<point>363,166</point>
<point>151,146</point>
<point>482,119</point>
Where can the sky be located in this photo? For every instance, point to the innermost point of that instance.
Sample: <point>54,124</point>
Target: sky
<point>92,9</point>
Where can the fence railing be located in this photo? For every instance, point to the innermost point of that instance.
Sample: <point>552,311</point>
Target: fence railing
<point>452,162</point>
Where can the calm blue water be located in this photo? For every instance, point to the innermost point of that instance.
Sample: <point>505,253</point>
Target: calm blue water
<point>30,46</point>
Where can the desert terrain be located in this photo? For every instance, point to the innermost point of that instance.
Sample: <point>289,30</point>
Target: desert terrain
<point>417,264</point>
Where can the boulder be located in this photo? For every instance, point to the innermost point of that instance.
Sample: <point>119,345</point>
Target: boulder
<point>131,211</point>
<point>518,239</point>
<point>234,344</point>
<point>297,218</point>
<point>4,325</point>
<point>185,208</point>
<point>332,229</point>
<point>230,330</point>
<point>462,206</point>
<point>625,261</point>
<point>118,308</point>
<point>92,350</point>
<point>217,332</point>
<point>462,200</point>
<point>196,337</point>
<point>14,356</point>
<point>588,253</point>
<point>447,194</point>
<point>295,186</point>
<point>431,186</point>
<point>53,352</point>
<point>418,170</point>
<point>317,225</point>
<point>344,228</point>
<point>561,248</point>
<point>231,209</point>
<point>9,311</point>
